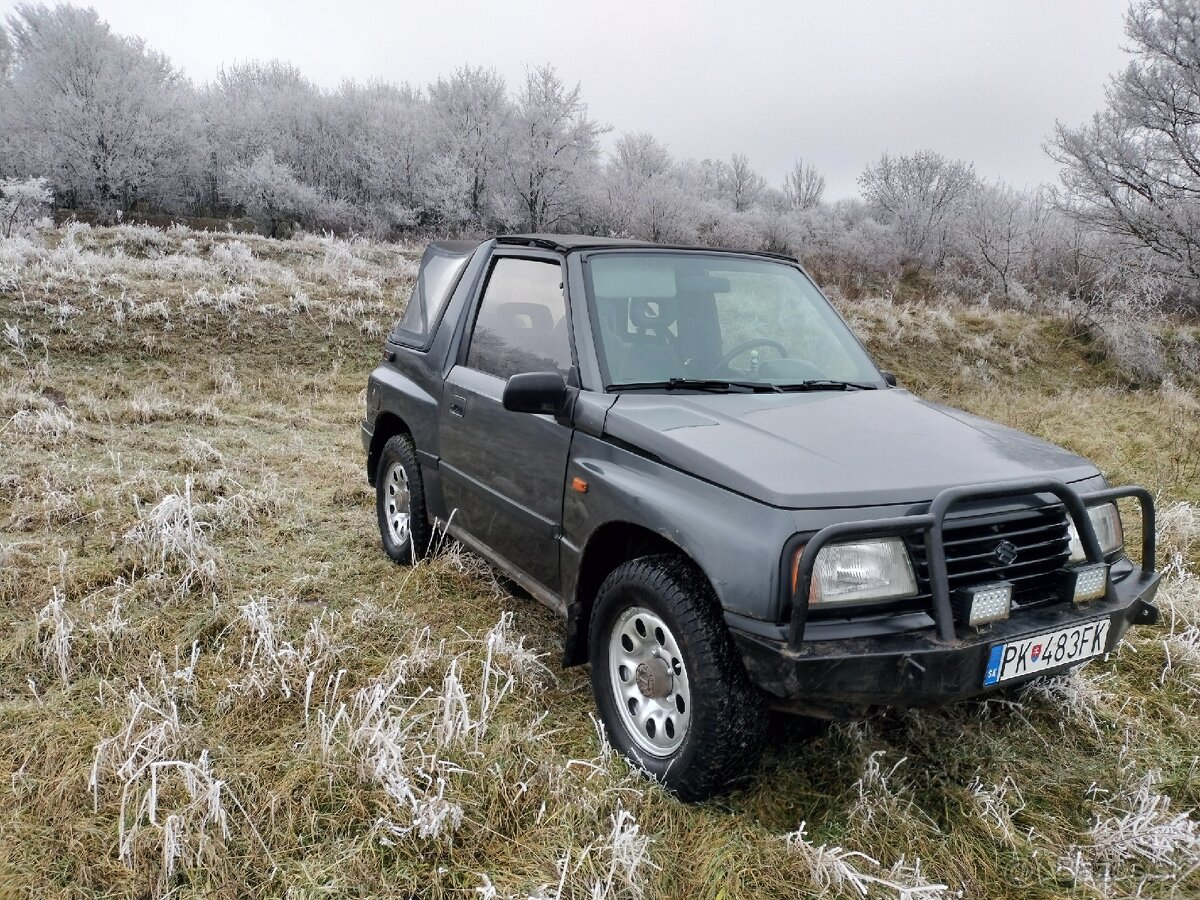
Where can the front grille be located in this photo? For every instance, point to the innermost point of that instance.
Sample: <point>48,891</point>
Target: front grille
<point>1039,539</point>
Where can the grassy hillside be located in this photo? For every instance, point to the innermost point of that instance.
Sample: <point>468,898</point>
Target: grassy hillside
<point>213,683</point>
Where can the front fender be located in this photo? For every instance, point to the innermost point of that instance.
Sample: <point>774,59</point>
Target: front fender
<point>734,540</point>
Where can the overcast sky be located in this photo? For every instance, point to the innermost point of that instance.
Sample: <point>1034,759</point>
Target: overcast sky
<point>836,83</point>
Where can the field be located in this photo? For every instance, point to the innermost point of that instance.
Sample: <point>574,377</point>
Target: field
<point>213,682</point>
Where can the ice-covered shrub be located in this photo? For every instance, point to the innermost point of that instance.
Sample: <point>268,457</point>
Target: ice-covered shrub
<point>24,205</point>
<point>144,241</point>
<point>1122,331</point>
<point>233,257</point>
<point>271,193</point>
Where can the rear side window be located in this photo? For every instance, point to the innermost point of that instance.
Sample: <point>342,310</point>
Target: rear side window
<point>522,321</point>
<point>441,267</point>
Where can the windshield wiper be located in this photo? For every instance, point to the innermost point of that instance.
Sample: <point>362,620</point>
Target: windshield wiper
<point>827,384</point>
<point>696,384</point>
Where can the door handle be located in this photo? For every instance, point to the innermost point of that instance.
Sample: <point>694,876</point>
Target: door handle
<point>458,405</point>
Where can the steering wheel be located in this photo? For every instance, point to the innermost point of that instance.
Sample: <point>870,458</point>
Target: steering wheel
<point>750,345</point>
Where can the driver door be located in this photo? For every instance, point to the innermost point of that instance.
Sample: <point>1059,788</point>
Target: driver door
<point>503,472</point>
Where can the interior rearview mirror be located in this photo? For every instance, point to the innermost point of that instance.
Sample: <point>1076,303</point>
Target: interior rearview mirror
<point>537,392</point>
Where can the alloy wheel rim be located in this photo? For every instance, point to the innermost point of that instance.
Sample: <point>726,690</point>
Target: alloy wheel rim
<point>649,681</point>
<point>396,503</point>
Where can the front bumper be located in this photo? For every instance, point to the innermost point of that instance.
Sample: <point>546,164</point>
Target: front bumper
<point>850,677</point>
<point>846,676</point>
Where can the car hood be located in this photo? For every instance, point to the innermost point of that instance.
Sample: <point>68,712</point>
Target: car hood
<point>827,449</point>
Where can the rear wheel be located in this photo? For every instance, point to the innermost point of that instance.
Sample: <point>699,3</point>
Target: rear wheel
<point>400,502</point>
<point>668,681</point>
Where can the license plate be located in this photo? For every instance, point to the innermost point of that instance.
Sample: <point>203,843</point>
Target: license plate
<point>1029,656</point>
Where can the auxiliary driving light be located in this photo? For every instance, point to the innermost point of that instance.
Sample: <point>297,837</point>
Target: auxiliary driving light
<point>983,604</point>
<point>1084,583</point>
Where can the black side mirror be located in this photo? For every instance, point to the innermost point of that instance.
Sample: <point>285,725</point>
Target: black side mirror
<point>889,377</point>
<point>538,392</point>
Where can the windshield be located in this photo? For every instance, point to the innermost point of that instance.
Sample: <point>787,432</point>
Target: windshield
<point>672,317</point>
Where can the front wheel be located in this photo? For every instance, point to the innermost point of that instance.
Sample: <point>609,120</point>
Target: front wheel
<point>668,681</point>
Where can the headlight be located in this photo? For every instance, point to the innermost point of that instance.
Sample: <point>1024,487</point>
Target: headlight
<point>1106,520</point>
<point>860,572</point>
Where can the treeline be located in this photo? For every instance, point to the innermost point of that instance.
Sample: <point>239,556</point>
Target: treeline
<point>116,130</point>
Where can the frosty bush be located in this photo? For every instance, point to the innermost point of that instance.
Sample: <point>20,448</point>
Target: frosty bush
<point>24,205</point>
<point>269,191</point>
<point>1123,332</point>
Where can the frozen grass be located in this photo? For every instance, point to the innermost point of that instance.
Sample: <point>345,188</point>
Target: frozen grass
<point>214,684</point>
<point>835,867</point>
<point>172,537</point>
<point>1135,839</point>
<point>55,626</point>
<point>271,664</point>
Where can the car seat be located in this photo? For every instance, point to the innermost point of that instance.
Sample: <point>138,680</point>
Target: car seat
<point>651,354</point>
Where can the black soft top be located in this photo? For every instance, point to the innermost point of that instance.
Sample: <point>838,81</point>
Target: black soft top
<point>565,243</point>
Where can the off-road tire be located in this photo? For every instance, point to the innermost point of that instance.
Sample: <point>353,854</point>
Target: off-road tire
<point>725,734</point>
<point>400,450</point>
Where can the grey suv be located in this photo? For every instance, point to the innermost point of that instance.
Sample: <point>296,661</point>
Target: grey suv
<point>687,453</point>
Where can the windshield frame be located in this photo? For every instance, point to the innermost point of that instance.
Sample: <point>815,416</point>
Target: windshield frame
<point>601,352</point>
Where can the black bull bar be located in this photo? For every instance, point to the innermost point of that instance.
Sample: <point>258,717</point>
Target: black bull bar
<point>932,524</point>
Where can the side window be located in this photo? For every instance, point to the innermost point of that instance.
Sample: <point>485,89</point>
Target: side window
<point>440,270</point>
<point>522,321</point>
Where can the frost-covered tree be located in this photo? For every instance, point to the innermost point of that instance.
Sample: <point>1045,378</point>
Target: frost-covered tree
<point>268,191</point>
<point>636,161</point>
<point>639,157</point>
<point>665,212</point>
<point>778,225</point>
<point>445,195</point>
<point>6,54</point>
<point>739,185</point>
<point>470,112</point>
<point>996,225</point>
<point>553,150</point>
<point>6,63</point>
<point>1133,172</point>
<point>390,146</point>
<point>255,107</point>
<point>644,194</point>
<point>803,186</point>
<point>102,116</point>
<point>380,154</point>
<point>1068,256</point>
<point>919,196</point>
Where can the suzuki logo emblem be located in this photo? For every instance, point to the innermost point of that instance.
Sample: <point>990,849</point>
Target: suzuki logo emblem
<point>1006,553</point>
